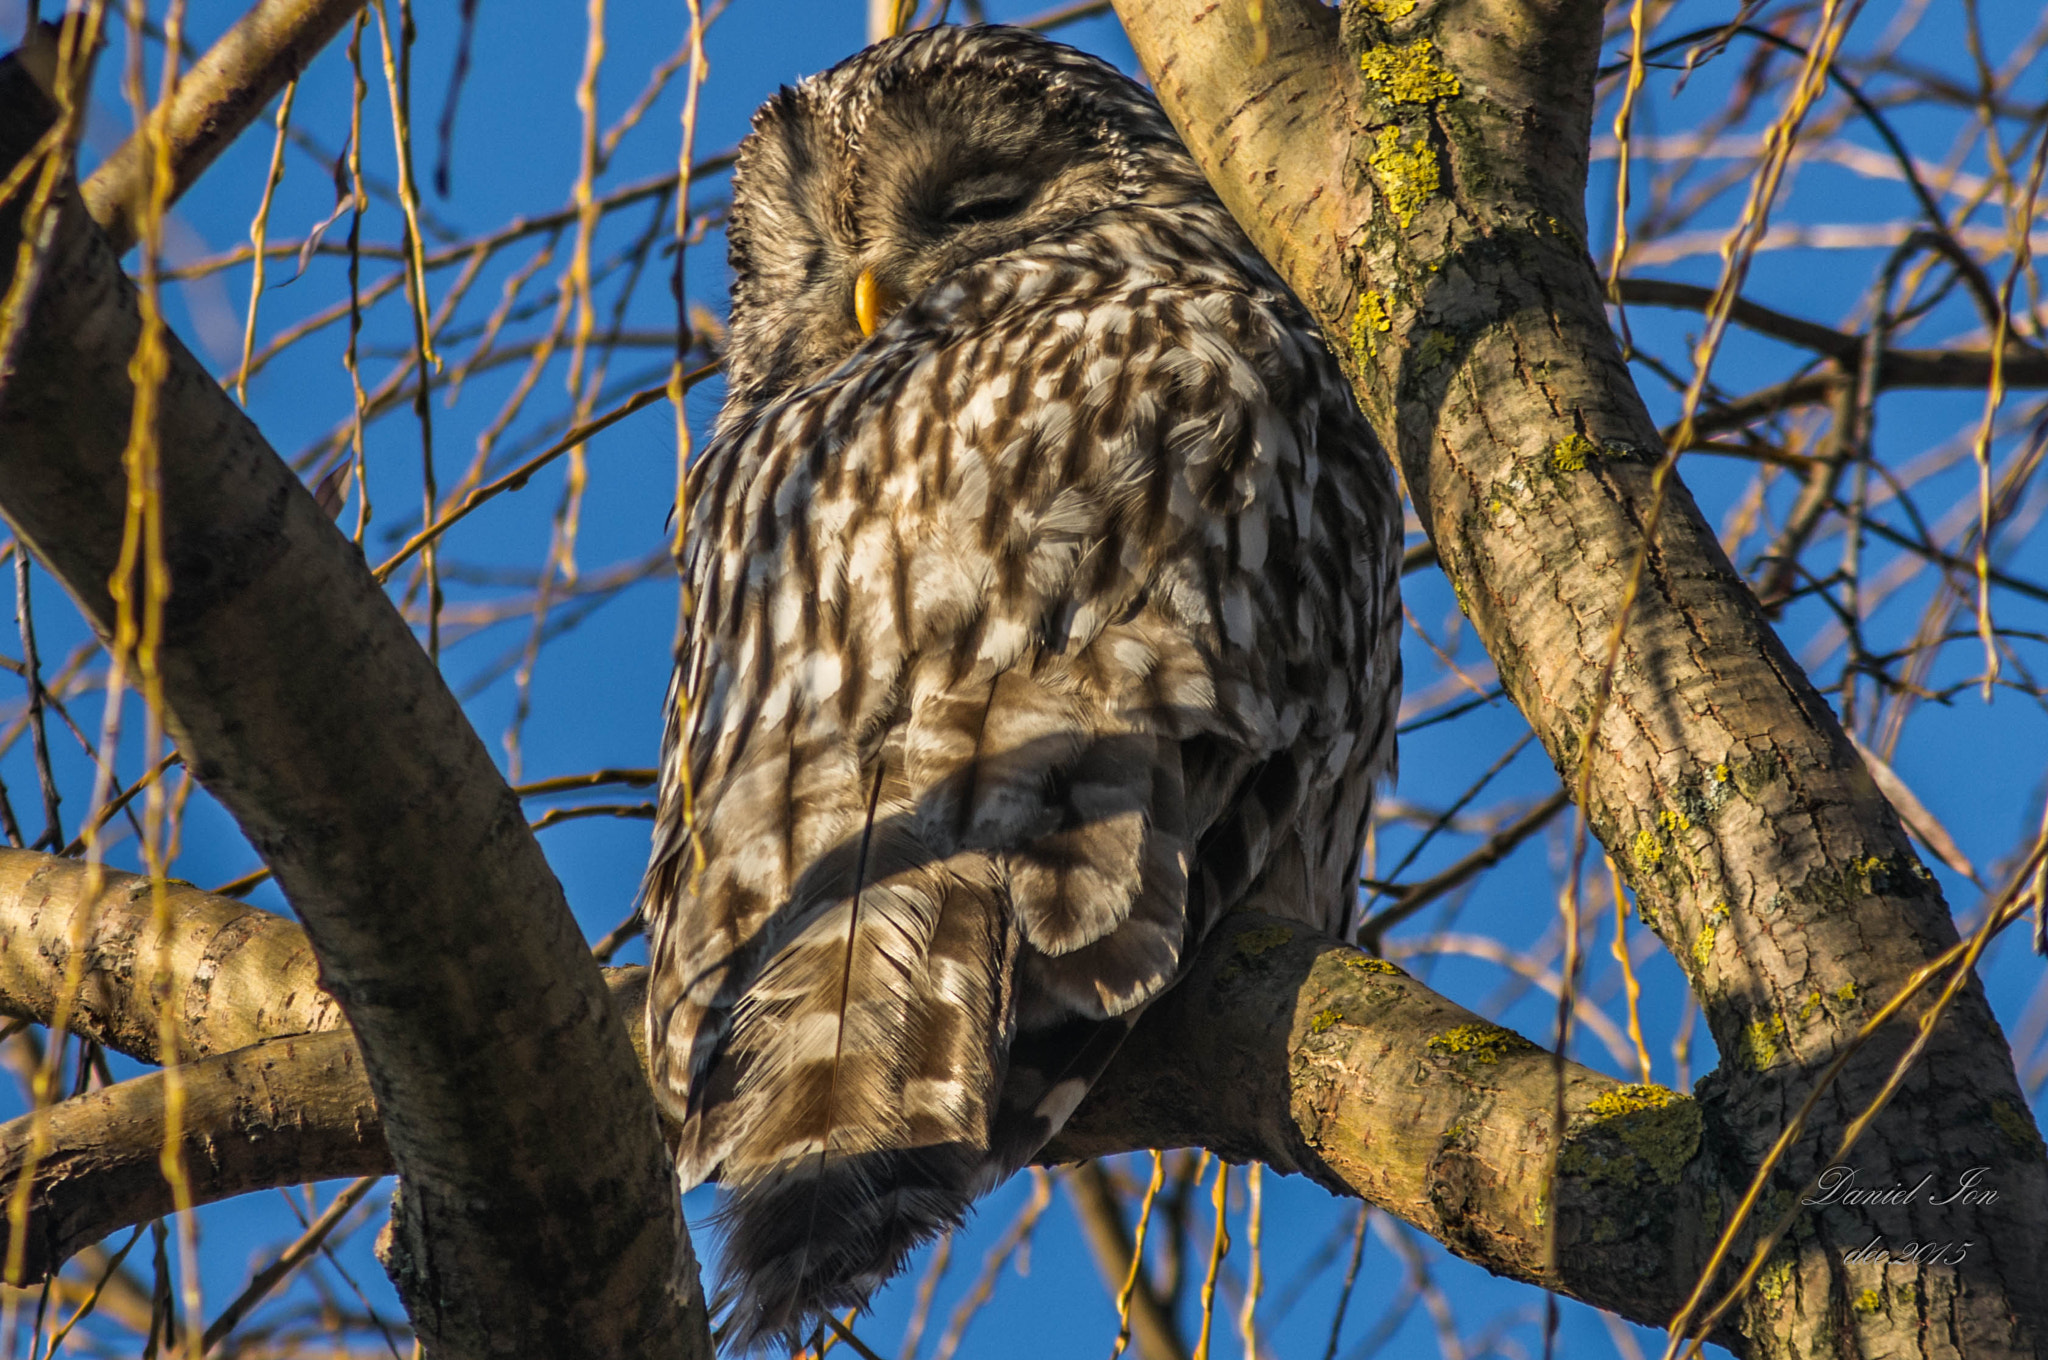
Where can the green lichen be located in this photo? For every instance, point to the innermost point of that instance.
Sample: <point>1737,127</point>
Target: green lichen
<point>1458,594</point>
<point>1658,1127</point>
<point>1869,1301</point>
<point>1325,1020</point>
<point>1408,175</point>
<point>1436,347</point>
<point>1755,774</point>
<point>1372,318</point>
<point>2017,1125</point>
<point>1859,879</point>
<point>1408,73</point>
<point>1646,852</point>
<point>1253,943</point>
<point>1758,1048</point>
<point>1480,1042</point>
<point>1249,946</point>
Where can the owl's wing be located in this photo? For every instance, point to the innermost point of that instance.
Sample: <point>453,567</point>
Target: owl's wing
<point>998,635</point>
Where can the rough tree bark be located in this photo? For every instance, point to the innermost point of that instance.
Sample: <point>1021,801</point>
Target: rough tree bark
<point>1417,171</point>
<point>535,1216</point>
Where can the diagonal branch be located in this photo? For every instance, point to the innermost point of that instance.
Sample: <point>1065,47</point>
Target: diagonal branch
<point>224,92</point>
<point>1417,173</point>
<point>538,1199</point>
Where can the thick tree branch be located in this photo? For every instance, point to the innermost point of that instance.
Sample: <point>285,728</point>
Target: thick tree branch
<point>1420,180</point>
<point>1282,1045</point>
<point>282,1112</point>
<point>238,975</point>
<point>540,1212</point>
<point>219,97</point>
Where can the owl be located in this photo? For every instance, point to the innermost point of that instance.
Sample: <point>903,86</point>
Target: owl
<point>1042,606</point>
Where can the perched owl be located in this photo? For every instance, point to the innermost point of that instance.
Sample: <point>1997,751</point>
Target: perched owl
<point>1042,607</point>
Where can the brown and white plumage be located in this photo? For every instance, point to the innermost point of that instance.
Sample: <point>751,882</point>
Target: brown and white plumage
<point>1027,635</point>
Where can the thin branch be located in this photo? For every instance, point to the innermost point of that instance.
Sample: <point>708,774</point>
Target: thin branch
<point>222,95</point>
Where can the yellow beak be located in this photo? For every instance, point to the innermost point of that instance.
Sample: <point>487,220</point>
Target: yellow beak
<point>873,300</point>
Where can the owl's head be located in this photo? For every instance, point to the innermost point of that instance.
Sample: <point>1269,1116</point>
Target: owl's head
<point>862,188</point>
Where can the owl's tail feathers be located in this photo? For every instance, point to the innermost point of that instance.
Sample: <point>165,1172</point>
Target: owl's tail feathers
<point>809,1237</point>
<point>866,1057</point>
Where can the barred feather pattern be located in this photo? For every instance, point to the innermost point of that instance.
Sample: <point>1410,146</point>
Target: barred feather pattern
<point>1025,637</point>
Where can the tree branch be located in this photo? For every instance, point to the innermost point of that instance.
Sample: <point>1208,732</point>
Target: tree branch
<point>220,96</point>
<point>539,1204</point>
<point>239,975</point>
<point>2024,366</point>
<point>282,1112</point>
<point>1432,218</point>
<point>1102,1222</point>
<point>1282,1045</point>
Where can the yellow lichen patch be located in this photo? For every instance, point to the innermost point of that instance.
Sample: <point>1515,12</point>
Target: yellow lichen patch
<point>1391,9</point>
<point>1250,945</point>
<point>1255,942</point>
<point>1408,174</point>
<point>1722,774</point>
<point>1373,317</point>
<point>1323,1021</point>
<point>1480,1042</point>
<point>1869,1301</point>
<point>1846,993</point>
<point>1760,1041</point>
<point>1775,1280</point>
<point>1408,73</point>
<point>1703,946</point>
<point>1660,1127</point>
<point>1808,1007</point>
<point>1674,821</point>
<point>1631,1097</point>
<point>1646,852</point>
<point>1573,453</point>
<point>1366,963</point>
